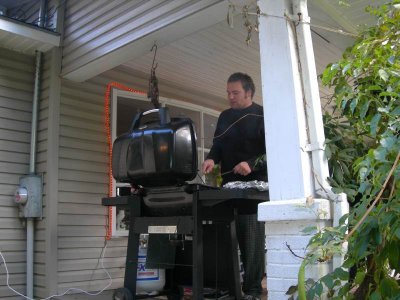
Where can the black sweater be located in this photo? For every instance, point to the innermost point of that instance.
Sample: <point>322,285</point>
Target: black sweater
<point>239,136</point>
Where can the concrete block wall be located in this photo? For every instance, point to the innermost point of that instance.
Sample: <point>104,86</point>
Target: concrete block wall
<point>282,265</point>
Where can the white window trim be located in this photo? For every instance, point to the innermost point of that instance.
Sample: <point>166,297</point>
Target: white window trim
<point>163,101</point>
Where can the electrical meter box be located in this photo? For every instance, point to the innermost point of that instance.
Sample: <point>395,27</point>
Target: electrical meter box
<point>29,196</point>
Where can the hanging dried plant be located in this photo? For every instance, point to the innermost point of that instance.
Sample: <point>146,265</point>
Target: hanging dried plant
<point>153,92</point>
<point>229,16</point>
<point>250,18</point>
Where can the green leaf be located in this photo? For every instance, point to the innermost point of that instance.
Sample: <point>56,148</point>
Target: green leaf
<point>393,255</point>
<point>311,293</point>
<point>375,296</point>
<point>364,109</point>
<point>396,111</point>
<point>388,288</point>
<point>309,229</point>
<point>388,142</point>
<point>292,289</point>
<point>328,152</point>
<point>343,103</point>
<point>374,88</point>
<point>345,169</point>
<point>310,281</point>
<point>363,172</point>
<point>357,72</point>
<point>397,232</point>
<point>348,263</point>
<point>346,68</point>
<point>359,277</point>
<point>383,109</point>
<point>374,123</point>
<point>344,290</point>
<point>338,174</point>
<point>383,74</point>
<point>363,186</point>
<point>319,288</point>
<point>341,274</point>
<point>376,236</point>
<point>353,105</point>
<point>363,243</point>
<point>380,154</point>
<point>328,281</point>
<point>394,73</point>
<point>334,67</point>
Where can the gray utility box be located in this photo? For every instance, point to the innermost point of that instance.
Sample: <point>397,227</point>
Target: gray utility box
<point>29,196</point>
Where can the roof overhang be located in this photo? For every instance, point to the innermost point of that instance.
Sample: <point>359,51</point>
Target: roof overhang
<point>141,46</point>
<point>26,38</point>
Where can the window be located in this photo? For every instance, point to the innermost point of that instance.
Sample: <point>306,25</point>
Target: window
<point>125,105</point>
<point>211,121</point>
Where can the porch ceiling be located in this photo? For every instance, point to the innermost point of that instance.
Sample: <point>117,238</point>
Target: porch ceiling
<point>203,60</point>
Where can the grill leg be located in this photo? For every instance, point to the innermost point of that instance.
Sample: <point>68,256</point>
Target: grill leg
<point>198,267</point>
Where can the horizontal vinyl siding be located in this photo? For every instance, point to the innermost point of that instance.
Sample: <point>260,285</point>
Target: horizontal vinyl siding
<point>42,168</point>
<point>83,181</point>
<point>16,92</point>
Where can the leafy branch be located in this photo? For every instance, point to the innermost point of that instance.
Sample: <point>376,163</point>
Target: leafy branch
<point>378,197</point>
<point>363,151</point>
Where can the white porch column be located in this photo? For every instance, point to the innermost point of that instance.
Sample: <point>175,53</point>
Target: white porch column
<point>292,135</point>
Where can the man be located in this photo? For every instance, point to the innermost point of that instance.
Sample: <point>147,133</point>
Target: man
<point>239,147</point>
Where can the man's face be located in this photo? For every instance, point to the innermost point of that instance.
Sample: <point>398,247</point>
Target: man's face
<point>237,96</point>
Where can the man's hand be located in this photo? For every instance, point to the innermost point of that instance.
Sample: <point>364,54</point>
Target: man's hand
<point>242,168</point>
<point>207,166</point>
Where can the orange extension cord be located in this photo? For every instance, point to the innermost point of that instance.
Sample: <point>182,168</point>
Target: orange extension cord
<point>109,143</point>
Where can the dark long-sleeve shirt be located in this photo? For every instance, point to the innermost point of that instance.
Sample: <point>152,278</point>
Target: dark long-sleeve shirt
<point>239,136</point>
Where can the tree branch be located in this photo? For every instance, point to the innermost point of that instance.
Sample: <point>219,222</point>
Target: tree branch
<point>376,199</point>
<point>291,251</point>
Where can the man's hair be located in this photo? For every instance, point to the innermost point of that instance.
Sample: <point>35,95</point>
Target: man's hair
<point>247,82</point>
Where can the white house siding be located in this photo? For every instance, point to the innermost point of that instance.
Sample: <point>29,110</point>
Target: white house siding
<point>83,181</point>
<point>82,184</point>
<point>41,168</point>
<point>47,165</point>
<point>16,90</point>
